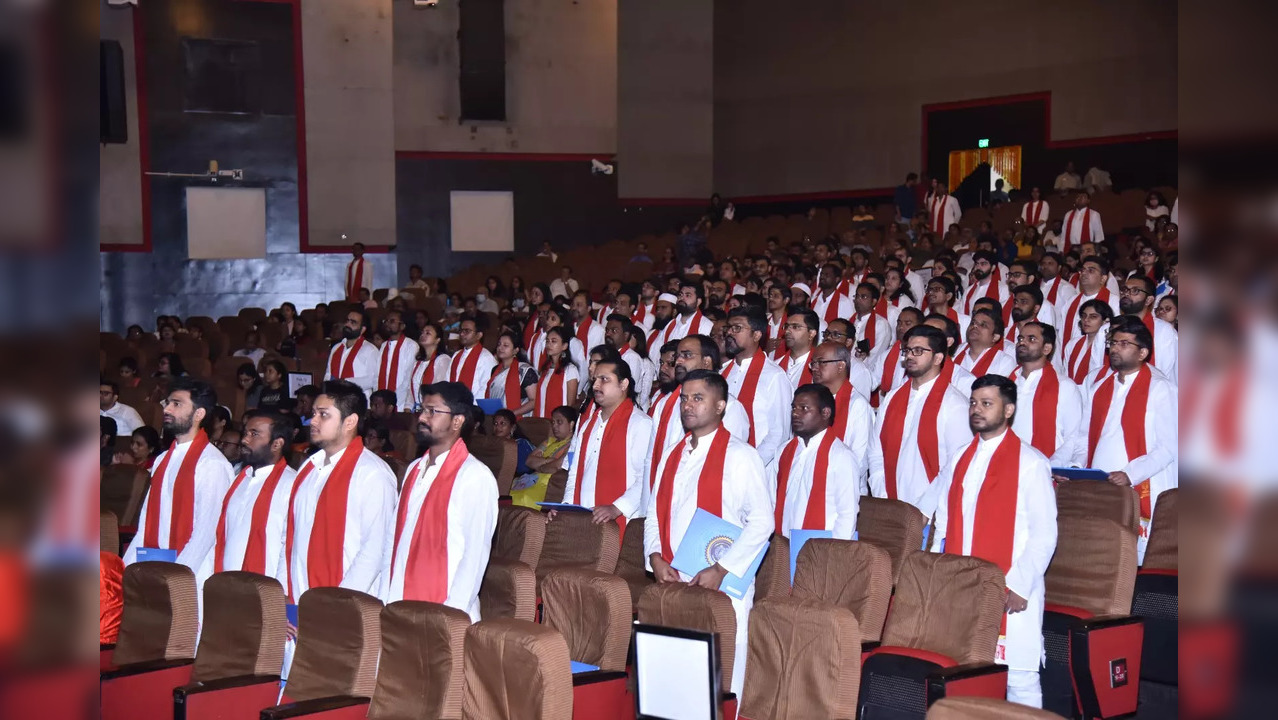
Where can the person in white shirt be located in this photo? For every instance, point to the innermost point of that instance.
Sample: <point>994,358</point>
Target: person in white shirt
<point>547,252</point>
<point>906,256</point>
<point>1081,225</point>
<point>710,457</point>
<point>395,360</point>
<point>921,426</point>
<point>473,365</point>
<point>891,373</point>
<point>942,210</point>
<point>762,387</point>
<point>1056,289</point>
<point>354,358</point>
<point>1035,211</point>
<point>987,284</point>
<point>359,273</point>
<point>689,320</point>
<point>622,335</point>
<point>942,293</point>
<point>1138,448</point>
<point>873,329</point>
<point>828,303</point>
<point>802,328</point>
<point>843,332</point>
<point>251,349</point>
<point>1053,428</point>
<point>983,352</point>
<point>1097,180</point>
<point>1068,180</point>
<point>1155,207</point>
<point>250,535</point>
<point>644,305</point>
<point>1085,354</point>
<point>853,418</point>
<point>1026,304</point>
<point>999,470</point>
<point>563,286</point>
<point>416,281</point>
<point>816,479</point>
<point>126,418</point>
<point>1136,298</point>
<point>1092,279</point>
<point>778,305</point>
<point>663,311</point>
<point>589,331</point>
<point>699,352</point>
<point>188,481</point>
<point>960,377</point>
<point>437,545</point>
<point>557,316</point>
<point>430,365</point>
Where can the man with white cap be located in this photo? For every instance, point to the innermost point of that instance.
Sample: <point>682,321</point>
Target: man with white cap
<point>689,320</point>
<point>663,310</point>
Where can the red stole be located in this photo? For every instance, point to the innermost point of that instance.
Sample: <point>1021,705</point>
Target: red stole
<point>1056,286</point>
<point>385,381</point>
<point>1149,323</point>
<point>831,307</point>
<point>1046,396</point>
<point>871,329</point>
<point>937,213</point>
<point>511,394</point>
<point>553,388</point>
<point>1007,319</point>
<point>1080,360</point>
<point>663,422</point>
<point>612,470</point>
<point>749,386</point>
<point>182,513</point>
<point>464,373</point>
<point>354,278</point>
<point>892,434</point>
<point>1033,211</point>
<point>583,332</point>
<point>339,370</point>
<point>814,516</point>
<point>328,532</point>
<point>530,334</point>
<point>426,572</point>
<point>805,376</point>
<point>255,551</point>
<point>890,364</point>
<point>640,314</point>
<point>709,485</point>
<point>842,402</point>
<point>991,291</point>
<point>1086,235</point>
<point>1133,423</point>
<point>881,307</point>
<point>1071,317</point>
<point>780,336</point>
<point>982,364</point>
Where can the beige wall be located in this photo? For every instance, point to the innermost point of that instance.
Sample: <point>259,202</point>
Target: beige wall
<point>561,79</point>
<point>119,167</point>
<point>827,94</point>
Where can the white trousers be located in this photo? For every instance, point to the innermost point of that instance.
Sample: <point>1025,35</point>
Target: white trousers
<point>1024,688</point>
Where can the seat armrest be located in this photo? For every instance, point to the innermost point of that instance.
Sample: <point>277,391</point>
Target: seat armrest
<point>596,676</point>
<point>229,683</point>
<point>335,707</point>
<point>971,680</point>
<point>1105,663</point>
<point>1100,622</point>
<point>139,668</point>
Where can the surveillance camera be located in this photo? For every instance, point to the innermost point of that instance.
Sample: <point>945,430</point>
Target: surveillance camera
<point>600,168</point>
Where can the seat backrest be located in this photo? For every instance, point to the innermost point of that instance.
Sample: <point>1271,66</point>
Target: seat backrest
<point>109,530</point>
<point>894,525</point>
<point>574,540</point>
<point>1163,550</point>
<point>847,574</point>
<point>508,590</point>
<point>501,455</point>
<point>520,535</point>
<point>338,641</point>
<point>1094,567</point>
<point>420,673</point>
<point>244,627</point>
<point>804,660</point>
<point>160,616</point>
<point>592,611</point>
<point>121,491</point>
<point>948,604</point>
<point>537,430</point>
<point>694,608</point>
<point>630,563</point>
<point>1088,499</point>
<point>983,708</point>
<point>773,578</point>
<point>556,485</point>
<point>516,669</point>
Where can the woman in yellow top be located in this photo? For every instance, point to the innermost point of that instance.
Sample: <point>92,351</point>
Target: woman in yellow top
<point>1026,241</point>
<point>530,489</point>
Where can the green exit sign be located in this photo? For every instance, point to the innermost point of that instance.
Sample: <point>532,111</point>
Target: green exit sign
<point>983,143</point>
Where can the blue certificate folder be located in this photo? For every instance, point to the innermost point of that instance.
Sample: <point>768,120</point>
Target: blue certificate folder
<point>1081,473</point>
<point>580,667</point>
<point>146,554</point>
<point>708,539</point>
<point>290,611</point>
<point>563,507</point>
<point>799,538</point>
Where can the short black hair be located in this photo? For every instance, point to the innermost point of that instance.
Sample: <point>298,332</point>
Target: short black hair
<point>669,346</point>
<point>1006,387</point>
<point>130,363</point>
<point>810,319</point>
<point>1148,285</point>
<point>945,283</point>
<point>363,314</point>
<point>281,425</point>
<point>824,398</point>
<point>115,387</point>
<point>309,391</point>
<point>756,318</point>
<point>387,396</point>
<point>1101,261</point>
<point>934,336</point>
<point>696,286</point>
<point>985,255</point>
<point>567,412</point>
<point>1049,334</point>
<point>348,398</point>
<point>457,397</point>
<point>996,318</point>
<point>627,326</point>
<point>1135,327</point>
<point>913,311</point>
<point>247,369</point>
<point>621,369</point>
<point>709,348</point>
<point>1101,308</point>
<point>1029,266</point>
<point>711,378</point>
<point>203,396</point>
<point>1033,290</point>
<point>108,429</point>
<point>871,288</point>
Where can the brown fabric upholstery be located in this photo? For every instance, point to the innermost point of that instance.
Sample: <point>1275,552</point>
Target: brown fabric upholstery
<point>981,708</point>
<point>121,491</point>
<point>338,640</point>
<point>894,525</point>
<point>592,611</point>
<point>847,574</point>
<point>509,590</point>
<point>244,627</point>
<point>573,540</point>
<point>694,608</point>
<point>160,616</point>
<point>420,673</point>
<point>516,670</point>
<point>537,430</point>
<point>1163,550</point>
<point>556,486</point>
<point>804,661</point>
<point>630,563</point>
<point>949,604</point>
<point>520,534</point>
<point>501,455</point>
<point>773,578</point>
<point>109,530</point>
<point>1098,499</point>
<point>1094,567</point>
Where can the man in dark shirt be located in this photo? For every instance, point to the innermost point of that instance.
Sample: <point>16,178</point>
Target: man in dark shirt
<point>906,201</point>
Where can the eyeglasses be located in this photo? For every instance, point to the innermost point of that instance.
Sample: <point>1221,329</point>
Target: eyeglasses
<point>915,351</point>
<point>1132,291</point>
<point>1124,344</point>
<point>737,328</point>
<point>816,364</point>
<point>835,334</point>
<point>432,412</point>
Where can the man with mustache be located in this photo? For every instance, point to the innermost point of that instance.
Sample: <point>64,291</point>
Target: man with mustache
<point>1050,406</point>
<point>761,386</point>
<point>816,479</point>
<point>354,358</point>
<point>1136,298</point>
<point>988,281</point>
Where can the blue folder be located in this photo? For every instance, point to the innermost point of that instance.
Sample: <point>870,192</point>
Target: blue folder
<point>1081,473</point>
<point>708,539</point>
<point>290,611</point>
<point>146,554</point>
<point>563,507</point>
<point>799,538</point>
<point>489,406</point>
<point>580,667</point>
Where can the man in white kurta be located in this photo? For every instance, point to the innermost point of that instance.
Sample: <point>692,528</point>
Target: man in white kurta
<point>983,352</point>
<point>1068,443</point>
<point>471,510</point>
<point>395,361</point>
<point>585,328</point>
<point>1057,290</point>
<point>853,417</point>
<point>942,210</point>
<point>770,389</point>
<point>986,284</point>
<point>473,372</point>
<point>745,502</point>
<point>612,389</point>
<point>619,333</point>
<point>1033,532</point>
<point>828,303</point>
<point>1034,213</point>
<point>802,331</point>
<point>1081,224</point>
<point>812,411</point>
<point>1092,278</point>
<point>872,327</point>
<point>859,373</point>
<point>359,273</point>
<point>1136,298</point>
<point>354,358</point>
<point>960,377</point>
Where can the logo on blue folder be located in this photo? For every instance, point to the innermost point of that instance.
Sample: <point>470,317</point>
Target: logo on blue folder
<point>717,548</point>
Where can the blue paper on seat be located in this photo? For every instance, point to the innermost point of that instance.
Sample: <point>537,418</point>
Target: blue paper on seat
<point>1081,473</point>
<point>489,405</point>
<point>563,507</point>
<point>708,539</point>
<point>146,554</point>
<point>290,611</point>
<point>799,538</point>
<point>580,667</point>
<point>927,534</point>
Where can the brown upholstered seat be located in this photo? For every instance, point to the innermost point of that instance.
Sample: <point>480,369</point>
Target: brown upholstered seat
<point>1094,567</point>
<point>630,563</point>
<point>773,578</point>
<point>537,430</point>
<point>244,627</point>
<point>420,673</point>
<point>520,535</point>
<point>516,670</point>
<point>109,532</point>
<point>804,661</point>
<point>573,540</point>
<point>894,525</point>
<point>1163,550</point>
<point>160,616</point>
<point>338,640</point>
<point>848,574</point>
<point>1100,500</point>
<point>121,493</point>
<point>948,604</point>
<point>592,610</point>
<point>508,590</point>
<point>979,708</point>
<point>556,485</point>
<point>500,455</point>
<point>694,608</point>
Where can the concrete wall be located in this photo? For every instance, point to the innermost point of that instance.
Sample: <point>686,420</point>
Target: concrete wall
<point>120,187</point>
<point>665,99</point>
<point>827,95</point>
<point>561,79</point>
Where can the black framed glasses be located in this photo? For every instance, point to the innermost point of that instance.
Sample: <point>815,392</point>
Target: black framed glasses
<point>816,364</point>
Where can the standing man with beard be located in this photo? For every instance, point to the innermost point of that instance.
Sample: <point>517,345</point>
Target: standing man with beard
<point>1136,298</point>
<point>395,363</point>
<point>188,482</point>
<point>1022,273</point>
<point>645,306</point>
<point>1092,280</point>
<point>589,332</point>
<point>619,334</point>
<point>872,327</point>
<point>1082,224</point>
<point>354,358</point>
<point>778,308</point>
<point>828,303</point>
<point>1050,408</point>
<point>447,512</point>
<point>1056,289</point>
<point>761,387</point>
<point>690,320</point>
<point>1026,306</point>
<point>662,317</point>
<point>987,282</point>
<point>473,365</point>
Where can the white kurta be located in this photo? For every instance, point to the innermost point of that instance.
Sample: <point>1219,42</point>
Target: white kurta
<point>679,328</point>
<point>917,285</point>
<point>1064,294</point>
<point>942,212</point>
<point>402,383</point>
<point>366,281</point>
<point>1073,236</point>
<point>952,435</point>
<point>746,503</point>
<point>644,316</point>
<point>862,378</point>
<point>642,371</point>
<point>1039,208</point>
<point>417,375</point>
<point>842,306</point>
<point>1167,350</point>
<point>1071,436</point>
<point>1033,540</point>
<point>483,368</point>
<point>370,517</point>
<point>1002,364</point>
<point>472,519</point>
<point>881,342</point>
<point>735,421</point>
<point>1090,357</point>
<point>856,433</point>
<point>364,367</point>
<point>1067,322</point>
<point>980,290</point>
<point>585,454</point>
<point>842,486</point>
<point>545,403</point>
<point>771,408</point>
<point>239,521</point>
<point>594,335</point>
<point>126,418</point>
